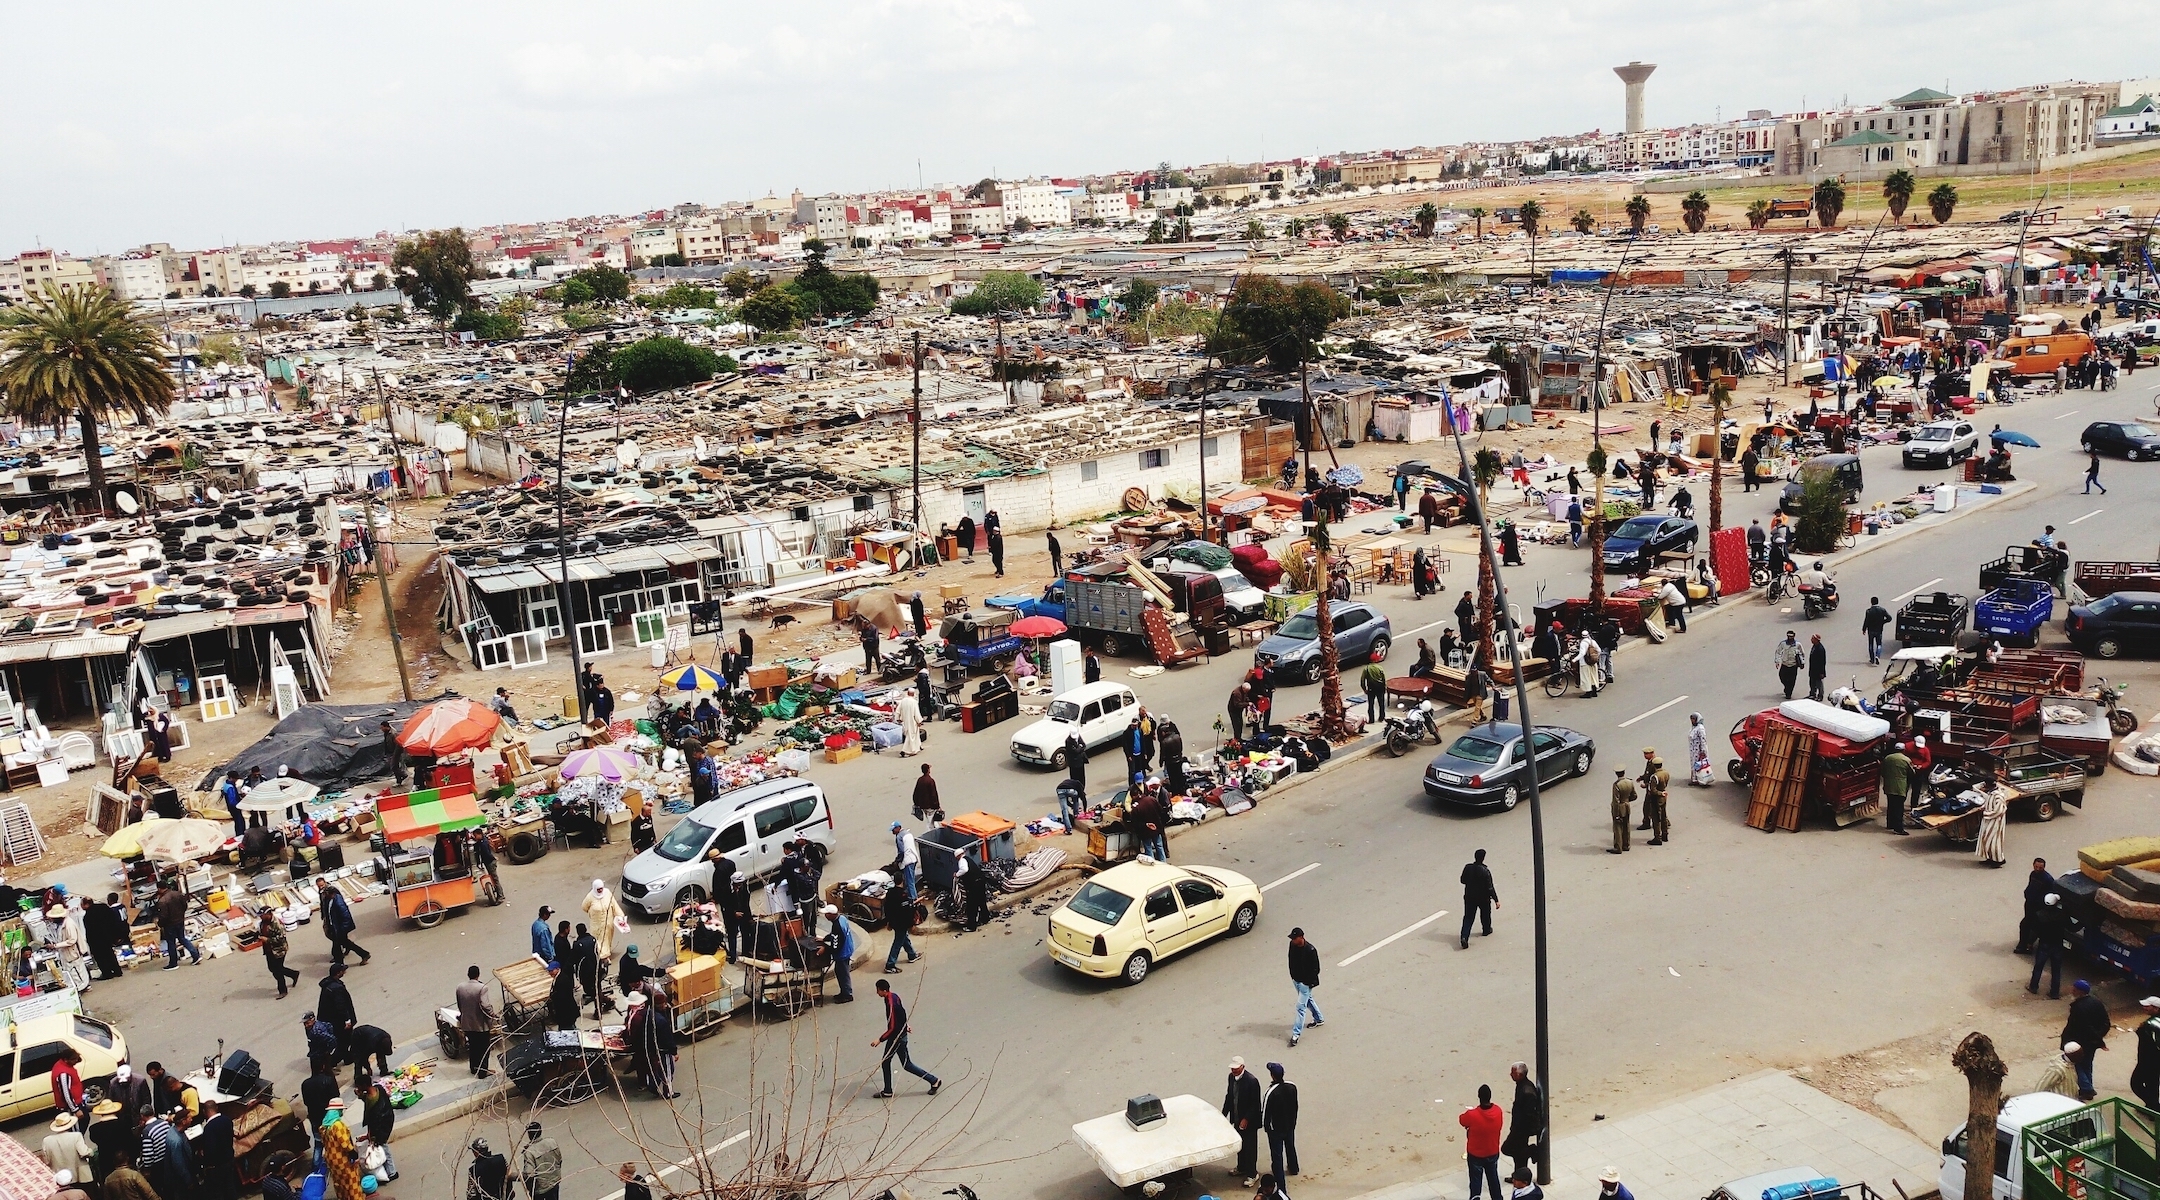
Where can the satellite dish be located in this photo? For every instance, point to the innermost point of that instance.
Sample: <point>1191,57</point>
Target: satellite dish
<point>698,444</point>
<point>126,503</point>
<point>216,496</point>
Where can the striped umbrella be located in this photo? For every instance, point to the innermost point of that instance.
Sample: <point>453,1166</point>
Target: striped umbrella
<point>693,678</point>
<point>603,761</point>
<point>448,726</point>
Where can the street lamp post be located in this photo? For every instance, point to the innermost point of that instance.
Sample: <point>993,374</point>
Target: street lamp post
<point>562,546</point>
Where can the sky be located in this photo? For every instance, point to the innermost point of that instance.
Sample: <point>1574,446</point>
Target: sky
<point>209,124</point>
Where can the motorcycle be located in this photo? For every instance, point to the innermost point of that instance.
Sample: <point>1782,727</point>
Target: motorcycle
<point>2121,721</point>
<point>1758,565</point>
<point>1814,602</point>
<point>1411,728</point>
<point>902,661</point>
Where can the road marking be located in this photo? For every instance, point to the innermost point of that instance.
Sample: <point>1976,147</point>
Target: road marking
<point>2073,412</point>
<point>1923,587</point>
<point>1265,887</point>
<point>2094,513</point>
<point>1653,712</point>
<point>1392,938</point>
<point>681,1165</point>
<point>1427,625</point>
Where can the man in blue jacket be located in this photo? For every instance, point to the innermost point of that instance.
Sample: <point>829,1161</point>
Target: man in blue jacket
<point>543,938</point>
<point>337,923</point>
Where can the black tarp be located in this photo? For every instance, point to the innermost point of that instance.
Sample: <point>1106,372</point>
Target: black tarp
<point>328,745</point>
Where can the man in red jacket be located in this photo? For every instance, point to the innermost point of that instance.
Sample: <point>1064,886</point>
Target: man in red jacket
<point>1482,1126</point>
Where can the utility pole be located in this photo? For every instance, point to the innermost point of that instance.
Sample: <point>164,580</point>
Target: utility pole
<point>1785,323</point>
<point>1203,461</point>
<point>915,431</point>
<point>562,550</point>
<point>390,616</point>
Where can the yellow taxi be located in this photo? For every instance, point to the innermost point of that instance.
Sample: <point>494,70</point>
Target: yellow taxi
<point>1136,914</point>
<point>27,1057</point>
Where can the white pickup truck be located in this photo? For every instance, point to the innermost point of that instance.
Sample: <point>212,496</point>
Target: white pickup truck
<point>2017,1113</point>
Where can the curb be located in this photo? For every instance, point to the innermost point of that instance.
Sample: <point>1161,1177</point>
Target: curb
<point>1006,901</point>
<point>485,1093</point>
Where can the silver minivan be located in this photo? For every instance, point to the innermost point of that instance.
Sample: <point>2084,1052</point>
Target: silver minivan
<point>750,825</point>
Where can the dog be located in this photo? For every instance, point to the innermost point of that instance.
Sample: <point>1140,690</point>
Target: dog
<point>781,620</point>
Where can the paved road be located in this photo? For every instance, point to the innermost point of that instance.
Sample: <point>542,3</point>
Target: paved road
<point>1673,968</point>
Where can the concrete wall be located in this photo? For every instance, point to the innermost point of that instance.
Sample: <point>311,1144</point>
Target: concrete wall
<point>1059,495</point>
<point>1876,174</point>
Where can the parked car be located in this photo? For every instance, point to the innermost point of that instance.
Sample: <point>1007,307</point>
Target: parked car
<point>2127,438</point>
<point>1941,443</point>
<point>2011,1143</point>
<point>1292,654</point>
<point>1242,601</point>
<point>34,1045</point>
<point>1846,467</point>
<point>1099,711</point>
<point>1483,768</point>
<point>749,825</point>
<point>1638,541</point>
<point>1132,916</point>
<point>2117,624</point>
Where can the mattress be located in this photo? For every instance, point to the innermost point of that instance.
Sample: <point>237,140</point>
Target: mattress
<point>1857,727</point>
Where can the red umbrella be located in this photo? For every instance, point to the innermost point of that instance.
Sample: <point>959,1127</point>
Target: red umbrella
<point>1036,627</point>
<point>448,726</point>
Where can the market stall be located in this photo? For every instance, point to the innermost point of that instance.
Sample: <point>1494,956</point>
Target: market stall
<point>432,867</point>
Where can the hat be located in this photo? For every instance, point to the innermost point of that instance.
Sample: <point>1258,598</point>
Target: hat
<point>124,1072</point>
<point>2071,1048</point>
<point>2149,1002</point>
<point>1649,751</point>
<point>636,998</point>
<point>546,912</point>
<point>1611,1175</point>
<point>599,885</point>
<point>1275,1069</point>
<point>897,826</point>
<point>57,912</point>
<point>64,1122</point>
<point>2082,985</point>
<point>831,910</point>
<point>2051,898</point>
<point>1297,931</point>
<point>106,1108</point>
<point>1236,1062</point>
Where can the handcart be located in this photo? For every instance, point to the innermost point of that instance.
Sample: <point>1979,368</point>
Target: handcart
<point>1806,756</point>
<point>525,987</point>
<point>1189,1132</point>
<point>433,866</point>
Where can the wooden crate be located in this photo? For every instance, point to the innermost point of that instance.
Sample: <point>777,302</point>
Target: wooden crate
<point>1781,772</point>
<point>840,754</point>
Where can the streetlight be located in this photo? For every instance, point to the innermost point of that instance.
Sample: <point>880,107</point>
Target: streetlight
<point>562,544</point>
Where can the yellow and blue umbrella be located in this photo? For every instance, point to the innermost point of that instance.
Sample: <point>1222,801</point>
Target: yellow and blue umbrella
<point>693,678</point>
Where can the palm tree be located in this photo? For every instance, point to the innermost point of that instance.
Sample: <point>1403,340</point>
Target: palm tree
<point>1255,231</point>
<point>81,353</point>
<point>1485,470</point>
<point>1983,1069</point>
<point>1338,224</point>
<point>1182,231</point>
<point>1829,201</point>
<point>1758,214</point>
<point>1530,214</point>
<point>1428,218</point>
<point>1597,462</point>
<point>1695,210</point>
<point>1942,202</point>
<point>1477,213</point>
<point>1638,214</point>
<point>1583,221</point>
<point>1897,191</point>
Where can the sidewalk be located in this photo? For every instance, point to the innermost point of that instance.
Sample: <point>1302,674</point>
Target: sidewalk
<point>1692,1146</point>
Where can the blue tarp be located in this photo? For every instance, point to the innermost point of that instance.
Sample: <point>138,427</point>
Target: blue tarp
<point>1579,275</point>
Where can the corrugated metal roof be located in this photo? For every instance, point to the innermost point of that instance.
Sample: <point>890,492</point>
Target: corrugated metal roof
<point>179,625</point>
<point>510,581</point>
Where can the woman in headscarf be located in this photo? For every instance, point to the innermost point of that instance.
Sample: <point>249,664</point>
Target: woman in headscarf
<point>1698,748</point>
<point>603,912</point>
<point>1994,814</point>
<point>340,1159</point>
<point>1417,574</point>
<point>562,1005</point>
<point>910,724</point>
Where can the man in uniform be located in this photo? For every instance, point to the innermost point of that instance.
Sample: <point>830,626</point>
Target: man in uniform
<point>1623,801</point>
<point>1655,780</point>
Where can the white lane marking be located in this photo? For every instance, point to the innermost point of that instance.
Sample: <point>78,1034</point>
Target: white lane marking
<point>2094,513</point>
<point>681,1165</point>
<point>1653,712</point>
<point>2073,412</point>
<point>1923,587</point>
<point>1427,625</point>
<point>1287,878</point>
<point>1392,938</point>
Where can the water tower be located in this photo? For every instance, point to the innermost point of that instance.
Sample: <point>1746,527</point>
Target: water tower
<point>1633,75</point>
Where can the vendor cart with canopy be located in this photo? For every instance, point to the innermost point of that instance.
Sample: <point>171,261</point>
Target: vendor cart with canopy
<point>432,859</point>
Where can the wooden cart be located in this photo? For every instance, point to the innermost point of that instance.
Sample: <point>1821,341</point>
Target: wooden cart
<point>525,987</point>
<point>781,987</point>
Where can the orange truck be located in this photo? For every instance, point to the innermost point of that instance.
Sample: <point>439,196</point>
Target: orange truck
<point>2041,355</point>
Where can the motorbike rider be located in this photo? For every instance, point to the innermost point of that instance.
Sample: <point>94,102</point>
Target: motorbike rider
<point>1817,585</point>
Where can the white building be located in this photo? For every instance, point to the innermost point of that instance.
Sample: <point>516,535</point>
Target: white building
<point>2136,116</point>
<point>978,219</point>
<point>654,242</point>
<point>1116,208</point>
<point>1036,201</point>
<point>132,278</point>
<point>42,271</point>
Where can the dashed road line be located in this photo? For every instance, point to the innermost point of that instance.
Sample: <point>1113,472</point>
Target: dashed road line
<point>680,1165</point>
<point>1653,712</point>
<point>1392,938</point>
<point>2094,513</point>
<point>1287,878</point>
<point>1923,587</point>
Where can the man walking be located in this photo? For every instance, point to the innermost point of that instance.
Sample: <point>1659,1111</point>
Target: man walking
<point>869,638</point>
<point>540,1164</point>
<point>394,752</point>
<point>1873,622</point>
<point>1526,1127</point>
<point>900,918</point>
<point>334,1006</point>
<point>1278,1116</point>
<point>2092,473</point>
<point>1304,976</point>
<point>1481,1138</point>
<point>1402,492</point>
<point>1623,803</point>
<point>338,924</point>
<point>2038,886</point>
<point>476,1020</point>
<point>1896,782</point>
<point>172,926</point>
<point>1656,783</point>
<point>543,938</point>
<point>895,1042</point>
<point>1787,658</point>
<point>1057,555</point>
<point>910,857</point>
<point>1466,617</point>
<point>1241,1105</point>
<point>1478,895</point>
<point>1818,666</point>
<point>842,939</point>
<point>2087,1026</point>
<point>2050,925</point>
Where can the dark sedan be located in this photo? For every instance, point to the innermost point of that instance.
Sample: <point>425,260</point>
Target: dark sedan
<point>1637,543</point>
<point>2127,438</point>
<point>2123,623</point>
<point>1483,768</point>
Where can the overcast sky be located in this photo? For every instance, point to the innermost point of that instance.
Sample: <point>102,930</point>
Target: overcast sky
<point>208,124</point>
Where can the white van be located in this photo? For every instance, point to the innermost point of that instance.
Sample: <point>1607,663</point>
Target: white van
<point>750,825</point>
<point>2017,1112</point>
<point>1099,711</point>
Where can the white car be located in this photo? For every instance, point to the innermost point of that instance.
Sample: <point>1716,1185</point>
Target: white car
<point>1101,712</point>
<point>1242,601</point>
<point>1941,443</point>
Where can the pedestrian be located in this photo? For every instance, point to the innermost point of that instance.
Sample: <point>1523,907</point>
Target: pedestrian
<point>926,805</point>
<point>1818,666</point>
<point>65,1148</point>
<point>974,882</point>
<point>1234,708</point>
<point>1787,658</point>
<point>1872,623</point>
<point>543,938</point>
<point>539,1164</point>
<point>997,550</point>
<point>477,1020</point>
<point>841,937</point>
<point>1623,803</point>
<point>895,1042</point>
<point>1090,668</point>
<point>866,633</point>
<point>2087,1025</point>
<point>1590,665</point>
<point>1466,617</point>
<point>2092,473</point>
<point>338,924</point>
<point>1402,492</point>
<point>395,752</point>
<point>132,1091</point>
<point>916,616</point>
<point>909,710</point>
<point>1241,1106</point>
<point>1994,815</point>
<point>604,916</point>
<point>489,1176</point>
<point>900,918</point>
<point>1510,546</point>
<point>1373,680</point>
<point>1698,742</point>
<point>1574,483</point>
<point>603,702</point>
<point>1526,1126</point>
<point>379,1117</point>
<point>365,1042</point>
<point>1675,602</point>
<point>1656,784</point>
<point>1574,519</point>
<point>1428,508</point>
<point>216,1174</point>
<point>1609,1185</point>
<point>1057,554</point>
<point>1278,1116</point>
<point>1304,976</point>
<point>2038,885</point>
<point>1481,1137</point>
<point>1748,462</point>
<point>1896,782</point>
<point>1480,897</point>
<point>69,1096</point>
<point>2145,1077</point>
<point>164,1160</point>
<point>230,792</point>
<point>908,855</point>
<point>334,1007</point>
<point>104,928</point>
<point>2050,926</point>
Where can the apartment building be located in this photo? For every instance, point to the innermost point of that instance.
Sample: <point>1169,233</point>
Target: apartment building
<point>132,277</point>
<point>828,216</point>
<point>2031,128</point>
<point>978,219</point>
<point>654,242</point>
<point>40,272</point>
<point>1114,208</point>
<point>1372,172</point>
<point>1037,201</point>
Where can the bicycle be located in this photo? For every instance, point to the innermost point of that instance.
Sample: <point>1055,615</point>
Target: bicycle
<point>1567,674</point>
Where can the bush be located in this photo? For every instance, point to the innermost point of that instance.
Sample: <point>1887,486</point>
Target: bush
<point>1822,513</point>
<point>680,296</point>
<point>657,363</point>
<point>771,307</point>
<point>487,326</point>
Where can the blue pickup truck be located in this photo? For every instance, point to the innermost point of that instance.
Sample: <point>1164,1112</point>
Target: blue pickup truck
<point>1050,604</point>
<point>2013,613</point>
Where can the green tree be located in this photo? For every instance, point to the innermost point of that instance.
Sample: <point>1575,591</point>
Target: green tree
<point>1478,214</point>
<point>1428,218</point>
<point>80,353</point>
<point>1695,210</point>
<point>574,291</point>
<point>1638,213</point>
<point>608,285</point>
<point>681,296</point>
<point>1022,225</point>
<point>1000,292</point>
<point>220,349</point>
<point>671,260</point>
<point>1267,319</point>
<point>657,363</point>
<point>1138,296</point>
<point>771,307</point>
<point>984,188</point>
<point>1338,224</point>
<point>1157,230</point>
<point>819,291</point>
<point>247,290</point>
<point>378,281</point>
<point>1829,201</point>
<point>542,260</point>
<point>1942,202</point>
<point>279,289</point>
<point>1182,231</point>
<point>1294,227</point>
<point>1530,213</point>
<point>738,284</point>
<point>1583,221</point>
<point>436,271</point>
<point>487,326</point>
<point>1758,214</point>
<point>1822,512</point>
<point>1897,191</point>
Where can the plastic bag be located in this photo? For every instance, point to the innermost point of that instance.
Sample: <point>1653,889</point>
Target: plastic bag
<point>793,761</point>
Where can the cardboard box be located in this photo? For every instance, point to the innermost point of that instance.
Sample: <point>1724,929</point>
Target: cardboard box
<point>696,979</point>
<point>951,591</point>
<point>766,677</point>
<point>840,754</point>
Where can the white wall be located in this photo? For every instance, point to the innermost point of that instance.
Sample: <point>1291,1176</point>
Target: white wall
<point>1059,494</point>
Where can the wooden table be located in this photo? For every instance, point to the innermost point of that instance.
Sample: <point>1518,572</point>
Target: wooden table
<point>1252,633</point>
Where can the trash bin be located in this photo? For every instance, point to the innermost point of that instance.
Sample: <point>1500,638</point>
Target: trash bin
<point>994,832</point>
<point>1945,498</point>
<point>941,847</point>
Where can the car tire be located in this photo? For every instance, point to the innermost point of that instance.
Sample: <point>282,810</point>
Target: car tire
<point>1136,969</point>
<point>1060,761</point>
<point>2107,647</point>
<point>1113,645</point>
<point>2046,808</point>
<point>1309,671</point>
<point>1247,916</point>
<point>1736,770</point>
<point>1509,798</point>
<point>1582,763</point>
<point>1378,653</point>
<point>691,894</point>
<point>2087,448</point>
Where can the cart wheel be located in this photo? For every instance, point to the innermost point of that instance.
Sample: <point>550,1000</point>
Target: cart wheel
<point>452,1040</point>
<point>429,915</point>
<point>1737,771</point>
<point>567,1089</point>
<point>493,890</point>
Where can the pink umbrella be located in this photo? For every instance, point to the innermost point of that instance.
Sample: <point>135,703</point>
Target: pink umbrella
<point>1036,627</point>
<point>601,761</point>
<point>448,726</point>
